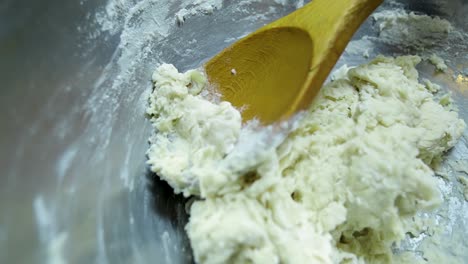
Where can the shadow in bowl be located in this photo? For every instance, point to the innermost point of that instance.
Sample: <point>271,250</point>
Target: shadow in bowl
<point>170,208</point>
<point>164,201</point>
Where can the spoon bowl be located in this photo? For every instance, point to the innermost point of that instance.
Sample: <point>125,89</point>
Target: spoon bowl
<point>277,70</point>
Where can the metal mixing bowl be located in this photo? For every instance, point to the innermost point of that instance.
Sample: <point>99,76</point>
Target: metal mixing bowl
<point>75,75</point>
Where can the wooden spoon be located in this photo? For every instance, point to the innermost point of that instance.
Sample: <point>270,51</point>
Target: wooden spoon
<point>277,70</point>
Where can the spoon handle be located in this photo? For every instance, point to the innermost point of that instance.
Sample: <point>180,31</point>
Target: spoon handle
<point>330,25</point>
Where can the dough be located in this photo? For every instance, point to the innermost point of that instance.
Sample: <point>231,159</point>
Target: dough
<point>438,62</point>
<point>342,186</point>
<point>192,134</point>
<point>411,31</point>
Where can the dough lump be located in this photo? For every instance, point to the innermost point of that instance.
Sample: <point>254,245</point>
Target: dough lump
<point>342,187</point>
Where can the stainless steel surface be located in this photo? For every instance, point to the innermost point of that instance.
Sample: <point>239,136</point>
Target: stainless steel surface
<point>74,187</point>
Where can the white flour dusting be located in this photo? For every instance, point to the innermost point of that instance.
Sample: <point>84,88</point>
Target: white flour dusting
<point>48,231</point>
<point>400,32</point>
<point>196,8</point>
<point>400,28</point>
<point>361,47</point>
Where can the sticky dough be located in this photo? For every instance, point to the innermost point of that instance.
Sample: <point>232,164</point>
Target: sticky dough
<point>341,187</point>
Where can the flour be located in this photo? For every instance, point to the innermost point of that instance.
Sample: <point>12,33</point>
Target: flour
<point>362,47</point>
<point>196,8</point>
<point>464,181</point>
<point>401,32</point>
<point>410,30</point>
<point>344,185</point>
<point>406,33</point>
<point>49,233</point>
<point>461,168</point>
